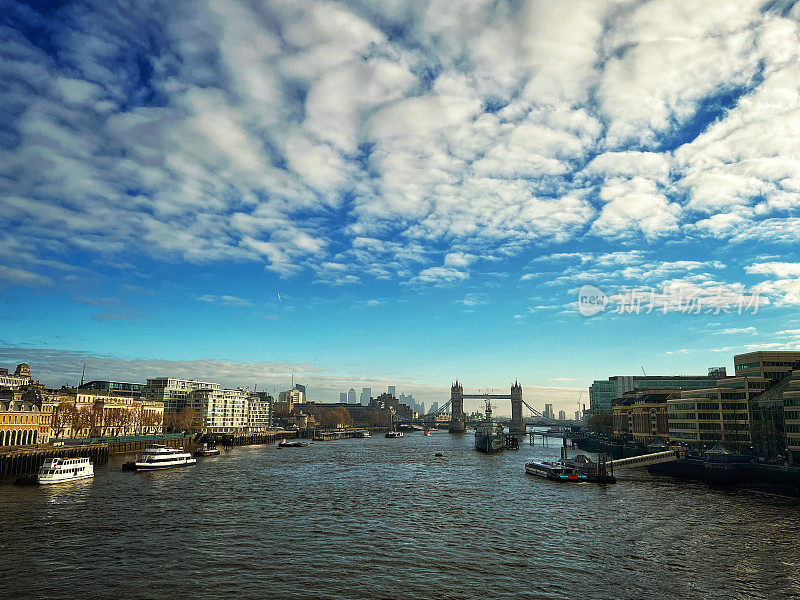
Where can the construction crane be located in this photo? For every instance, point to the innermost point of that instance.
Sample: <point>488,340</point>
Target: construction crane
<point>645,374</point>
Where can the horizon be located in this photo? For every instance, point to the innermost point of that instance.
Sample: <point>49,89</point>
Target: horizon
<point>368,195</point>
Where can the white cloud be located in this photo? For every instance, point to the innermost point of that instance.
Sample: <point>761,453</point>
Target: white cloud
<point>289,133</point>
<point>225,300</point>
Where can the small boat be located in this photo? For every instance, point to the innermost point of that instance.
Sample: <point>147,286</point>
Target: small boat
<point>394,434</point>
<point>555,471</point>
<point>426,432</point>
<point>285,444</point>
<point>157,457</point>
<point>361,434</point>
<point>207,450</point>
<point>61,470</point>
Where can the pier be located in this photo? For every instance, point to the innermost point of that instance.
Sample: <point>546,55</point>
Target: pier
<point>231,440</point>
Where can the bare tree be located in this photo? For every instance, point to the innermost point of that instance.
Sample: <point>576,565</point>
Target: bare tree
<point>61,418</point>
<point>186,419</point>
<point>153,419</point>
<point>81,419</point>
<point>96,419</point>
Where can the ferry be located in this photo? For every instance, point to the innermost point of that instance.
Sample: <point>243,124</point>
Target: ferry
<point>394,434</point>
<point>489,436</point>
<point>555,471</point>
<point>61,470</point>
<point>159,457</point>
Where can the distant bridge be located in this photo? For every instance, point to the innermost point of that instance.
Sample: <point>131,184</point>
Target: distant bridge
<point>516,426</point>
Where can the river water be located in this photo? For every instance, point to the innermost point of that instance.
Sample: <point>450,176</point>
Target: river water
<point>386,518</point>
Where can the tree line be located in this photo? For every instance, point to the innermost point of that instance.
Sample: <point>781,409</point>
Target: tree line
<point>99,420</point>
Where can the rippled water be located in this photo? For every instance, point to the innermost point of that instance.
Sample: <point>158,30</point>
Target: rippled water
<point>380,518</point>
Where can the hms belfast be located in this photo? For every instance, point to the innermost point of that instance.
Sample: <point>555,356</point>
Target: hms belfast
<point>489,434</point>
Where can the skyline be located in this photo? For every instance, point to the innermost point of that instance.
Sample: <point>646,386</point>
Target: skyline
<point>406,194</point>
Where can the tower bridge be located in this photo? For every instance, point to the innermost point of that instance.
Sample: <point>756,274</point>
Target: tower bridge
<point>516,426</point>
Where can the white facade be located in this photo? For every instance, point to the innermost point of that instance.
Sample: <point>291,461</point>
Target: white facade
<point>258,413</point>
<point>220,410</point>
<point>174,393</point>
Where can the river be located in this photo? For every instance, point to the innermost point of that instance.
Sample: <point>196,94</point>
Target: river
<point>386,518</point>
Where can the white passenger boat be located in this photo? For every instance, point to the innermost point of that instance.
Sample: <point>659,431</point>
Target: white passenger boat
<point>61,470</point>
<point>394,434</point>
<point>156,458</point>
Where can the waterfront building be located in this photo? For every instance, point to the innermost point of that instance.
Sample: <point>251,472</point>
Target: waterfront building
<point>791,416</point>
<point>767,363</point>
<point>343,397</point>
<point>120,388</point>
<point>174,393</point>
<point>641,415</point>
<point>96,413</point>
<point>603,392</point>
<point>351,396</point>
<point>266,398</point>
<point>22,422</point>
<point>220,410</point>
<point>702,417</point>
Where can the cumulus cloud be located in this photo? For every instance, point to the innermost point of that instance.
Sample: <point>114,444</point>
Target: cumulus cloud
<point>392,140</point>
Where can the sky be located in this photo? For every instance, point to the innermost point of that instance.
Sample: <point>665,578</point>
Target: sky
<point>398,193</point>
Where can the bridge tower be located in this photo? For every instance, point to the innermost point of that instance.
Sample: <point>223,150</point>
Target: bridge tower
<point>457,408</point>
<point>517,425</point>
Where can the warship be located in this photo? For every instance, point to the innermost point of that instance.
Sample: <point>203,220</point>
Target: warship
<point>489,435</point>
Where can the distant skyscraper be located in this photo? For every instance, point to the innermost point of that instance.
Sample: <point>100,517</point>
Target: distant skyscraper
<point>562,416</point>
<point>366,393</point>
<point>302,388</point>
<point>351,396</point>
<point>392,391</point>
<point>343,397</point>
<point>577,415</point>
<point>434,407</point>
<point>548,411</point>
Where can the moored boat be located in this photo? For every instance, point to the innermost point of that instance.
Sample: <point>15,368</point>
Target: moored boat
<point>361,434</point>
<point>61,470</point>
<point>285,444</point>
<point>157,457</point>
<point>555,471</point>
<point>207,450</point>
<point>394,434</point>
<point>489,435</point>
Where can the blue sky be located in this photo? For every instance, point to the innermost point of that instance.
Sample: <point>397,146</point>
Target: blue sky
<point>368,193</point>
